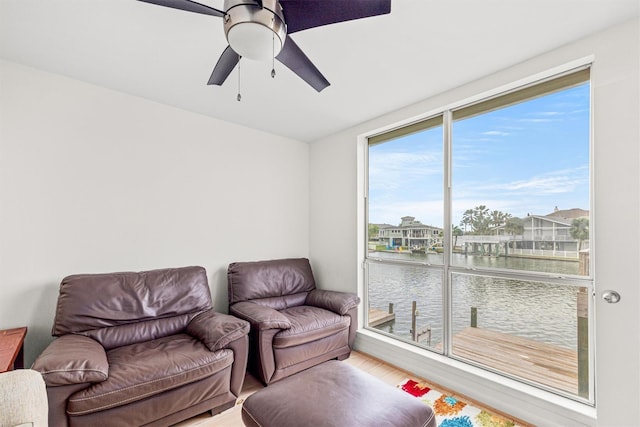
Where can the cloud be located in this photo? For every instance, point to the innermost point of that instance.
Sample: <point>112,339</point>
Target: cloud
<point>546,185</point>
<point>537,120</point>
<point>554,182</point>
<point>580,111</point>
<point>536,194</point>
<point>547,113</point>
<point>429,212</point>
<point>391,170</point>
<point>495,133</point>
<point>542,117</point>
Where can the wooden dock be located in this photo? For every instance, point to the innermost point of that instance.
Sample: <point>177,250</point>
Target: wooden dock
<point>378,317</point>
<point>546,364</point>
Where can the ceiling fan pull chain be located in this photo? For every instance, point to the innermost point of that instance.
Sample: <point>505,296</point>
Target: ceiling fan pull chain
<point>273,55</point>
<point>239,97</point>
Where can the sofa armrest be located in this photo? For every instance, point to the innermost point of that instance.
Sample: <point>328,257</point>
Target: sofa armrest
<point>338,302</point>
<point>261,316</point>
<point>217,330</point>
<point>72,359</point>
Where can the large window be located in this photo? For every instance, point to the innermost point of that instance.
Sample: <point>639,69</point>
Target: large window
<point>478,243</point>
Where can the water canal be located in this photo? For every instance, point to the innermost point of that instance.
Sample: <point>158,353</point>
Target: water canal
<point>539,311</point>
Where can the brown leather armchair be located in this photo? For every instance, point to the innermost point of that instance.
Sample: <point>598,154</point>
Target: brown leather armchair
<point>141,349</point>
<point>293,325</point>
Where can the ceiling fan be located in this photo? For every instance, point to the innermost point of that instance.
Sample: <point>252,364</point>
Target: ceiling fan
<point>260,29</point>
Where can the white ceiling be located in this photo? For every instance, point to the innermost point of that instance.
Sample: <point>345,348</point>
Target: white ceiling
<point>375,65</point>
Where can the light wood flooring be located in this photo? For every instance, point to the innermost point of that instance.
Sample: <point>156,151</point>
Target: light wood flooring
<point>387,373</point>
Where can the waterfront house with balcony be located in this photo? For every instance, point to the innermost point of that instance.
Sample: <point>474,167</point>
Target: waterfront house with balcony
<point>410,233</point>
<point>543,235</point>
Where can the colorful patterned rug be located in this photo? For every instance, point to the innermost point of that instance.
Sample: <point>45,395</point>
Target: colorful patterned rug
<point>451,411</point>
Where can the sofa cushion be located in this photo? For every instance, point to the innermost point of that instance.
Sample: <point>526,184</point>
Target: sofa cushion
<point>268,279</point>
<point>130,298</point>
<point>283,301</point>
<point>309,324</point>
<point>140,370</point>
<point>147,330</point>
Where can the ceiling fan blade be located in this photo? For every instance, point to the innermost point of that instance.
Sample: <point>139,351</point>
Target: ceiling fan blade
<point>294,59</point>
<point>303,14</point>
<point>188,5</point>
<point>227,62</point>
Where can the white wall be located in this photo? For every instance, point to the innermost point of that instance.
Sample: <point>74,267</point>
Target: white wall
<point>336,231</point>
<point>93,180</point>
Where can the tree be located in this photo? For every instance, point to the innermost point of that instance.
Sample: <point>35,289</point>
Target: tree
<point>580,230</point>
<point>455,232</point>
<point>481,220</point>
<point>373,230</point>
<point>499,218</point>
<point>514,226</point>
<point>467,219</point>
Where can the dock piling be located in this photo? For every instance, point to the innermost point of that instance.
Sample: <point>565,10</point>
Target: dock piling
<point>417,335</point>
<point>414,332</point>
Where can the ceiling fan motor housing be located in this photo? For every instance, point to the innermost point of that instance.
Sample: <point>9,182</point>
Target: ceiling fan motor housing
<point>255,32</point>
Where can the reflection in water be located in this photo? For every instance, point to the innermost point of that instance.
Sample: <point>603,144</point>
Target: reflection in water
<point>509,263</point>
<point>535,310</point>
<point>515,263</point>
<point>401,285</point>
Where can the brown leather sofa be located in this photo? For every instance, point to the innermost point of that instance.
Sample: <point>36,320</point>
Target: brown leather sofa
<point>293,325</point>
<point>141,349</point>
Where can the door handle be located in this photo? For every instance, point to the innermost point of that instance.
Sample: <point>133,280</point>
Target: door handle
<point>612,297</point>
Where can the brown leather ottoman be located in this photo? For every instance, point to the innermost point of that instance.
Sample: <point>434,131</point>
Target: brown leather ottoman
<point>334,394</point>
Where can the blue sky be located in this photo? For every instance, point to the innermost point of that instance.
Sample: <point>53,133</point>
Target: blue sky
<point>523,159</point>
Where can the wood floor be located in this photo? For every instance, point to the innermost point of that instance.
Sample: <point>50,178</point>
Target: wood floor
<point>387,373</point>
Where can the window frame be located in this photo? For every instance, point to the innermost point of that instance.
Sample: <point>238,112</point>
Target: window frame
<point>554,80</point>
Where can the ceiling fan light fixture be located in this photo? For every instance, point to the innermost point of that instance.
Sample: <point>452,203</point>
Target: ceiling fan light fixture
<point>254,41</point>
<point>257,29</point>
<point>255,32</point>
